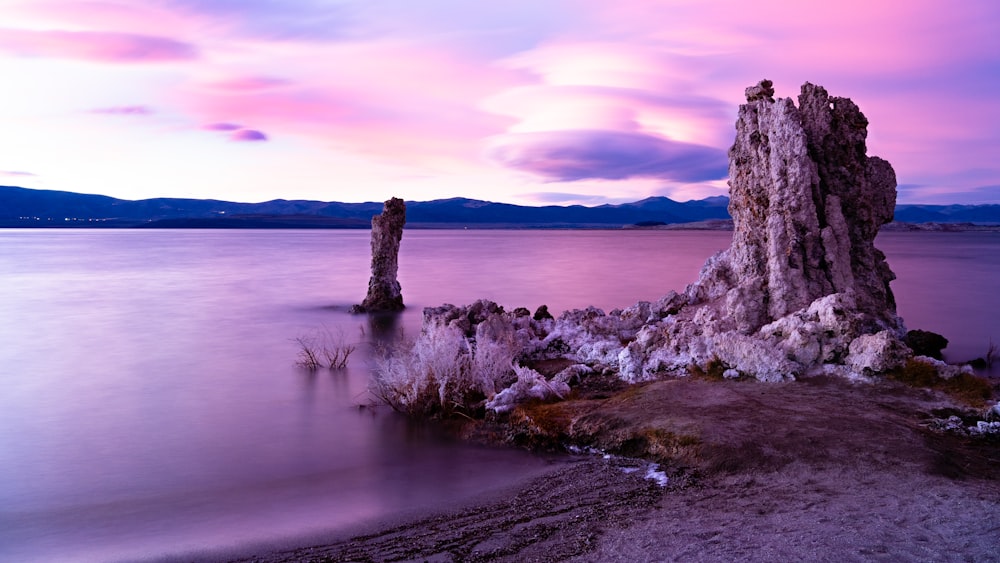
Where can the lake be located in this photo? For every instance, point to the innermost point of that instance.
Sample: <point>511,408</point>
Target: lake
<point>150,402</point>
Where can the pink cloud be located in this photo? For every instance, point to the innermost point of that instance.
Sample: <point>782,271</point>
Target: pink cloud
<point>221,127</point>
<point>249,83</point>
<point>247,135</point>
<point>123,110</point>
<point>99,46</point>
<point>143,17</point>
<point>412,104</point>
<point>920,72</point>
<point>432,85</point>
<point>16,173</point>
<point>679,116</point>
<point>849,34</point>
<point>361,122</point>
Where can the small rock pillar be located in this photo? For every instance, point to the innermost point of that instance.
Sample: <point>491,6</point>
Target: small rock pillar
<point>384,291</point>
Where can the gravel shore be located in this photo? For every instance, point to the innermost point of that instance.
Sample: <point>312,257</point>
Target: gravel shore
<point>813,470</point>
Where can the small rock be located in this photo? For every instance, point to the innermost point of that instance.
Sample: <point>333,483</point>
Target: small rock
<point>763,90</point>
<point>983,427</point>
<point>542,313</point>
<point>926,343</point>
<point>876,353</point>
<point>993,414</point>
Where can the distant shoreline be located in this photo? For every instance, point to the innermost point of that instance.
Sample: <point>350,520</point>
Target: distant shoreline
<point>27,208</point>
<point>293,222</point>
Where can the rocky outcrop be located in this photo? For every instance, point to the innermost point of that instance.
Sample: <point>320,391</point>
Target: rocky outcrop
<point>801,290</point>
<point>384,291</point>
<point>806,203</point>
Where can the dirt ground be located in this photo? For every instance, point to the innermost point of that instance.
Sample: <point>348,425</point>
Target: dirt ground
<point>819,469</point>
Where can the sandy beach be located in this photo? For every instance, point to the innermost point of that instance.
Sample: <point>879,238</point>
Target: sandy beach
<point>817,470</point>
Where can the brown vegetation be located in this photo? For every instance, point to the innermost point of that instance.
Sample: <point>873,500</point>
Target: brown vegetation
<point>714,370</point>
<point>700,427</point>
<point>970,389</point>
<point>323,350</point>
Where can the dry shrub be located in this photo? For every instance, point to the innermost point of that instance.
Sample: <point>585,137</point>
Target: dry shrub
<point>668,440</point>
<point>916,374</point>
<point>551,420</point>
<point>713,370</point>
<point>662,445</point>
<point>967,388</point>
<point>443,372</point>
<point>494,351</point>
<point>309,354</point>
<point>323,350</point>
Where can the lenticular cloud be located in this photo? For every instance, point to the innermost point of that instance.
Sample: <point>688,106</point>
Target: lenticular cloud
<point>611,155</point>
<point>221,127</point>
<point>247,135</point>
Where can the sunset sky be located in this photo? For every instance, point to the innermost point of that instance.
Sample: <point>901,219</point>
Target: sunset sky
<point>521,101</point>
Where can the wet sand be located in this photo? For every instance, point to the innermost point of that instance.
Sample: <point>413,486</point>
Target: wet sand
<point>811,470</point>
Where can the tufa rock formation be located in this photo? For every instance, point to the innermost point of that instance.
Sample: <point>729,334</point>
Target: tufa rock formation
<point>802,290</point>
<point>384,291</point>
<point>806,203</point>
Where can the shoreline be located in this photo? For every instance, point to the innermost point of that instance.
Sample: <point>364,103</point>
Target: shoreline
<point>819,469</point>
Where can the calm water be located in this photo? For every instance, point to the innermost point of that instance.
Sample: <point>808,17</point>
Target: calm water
<point>149,401</point>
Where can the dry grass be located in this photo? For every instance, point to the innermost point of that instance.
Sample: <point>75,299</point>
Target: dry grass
<point>713,370</point>
<point>916,374</point>
<point>549,419</point>
<point>966,388</point>
<point>970,389</point>
<point>323,349</point>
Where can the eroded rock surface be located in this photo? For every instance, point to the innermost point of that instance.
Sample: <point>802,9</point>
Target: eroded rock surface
<point>806,203</point>
<point>384,291</point>
<point>801,290</point>
<point>802,279</point>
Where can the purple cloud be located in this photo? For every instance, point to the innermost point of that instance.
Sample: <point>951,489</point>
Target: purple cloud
<point>566,156</point>
<point>123,110</point>
<point>15,173</point>
<point>315,20</point>
<point>221,127</point>
<point>247,135</point>
<point>99,46</point>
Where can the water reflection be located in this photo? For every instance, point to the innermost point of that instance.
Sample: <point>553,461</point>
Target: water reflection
<point>385,328</point>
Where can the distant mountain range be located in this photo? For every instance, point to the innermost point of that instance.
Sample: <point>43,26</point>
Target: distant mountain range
<point>22,207</point>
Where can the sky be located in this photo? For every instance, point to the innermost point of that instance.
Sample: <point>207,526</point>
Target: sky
<point>522,101</point>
